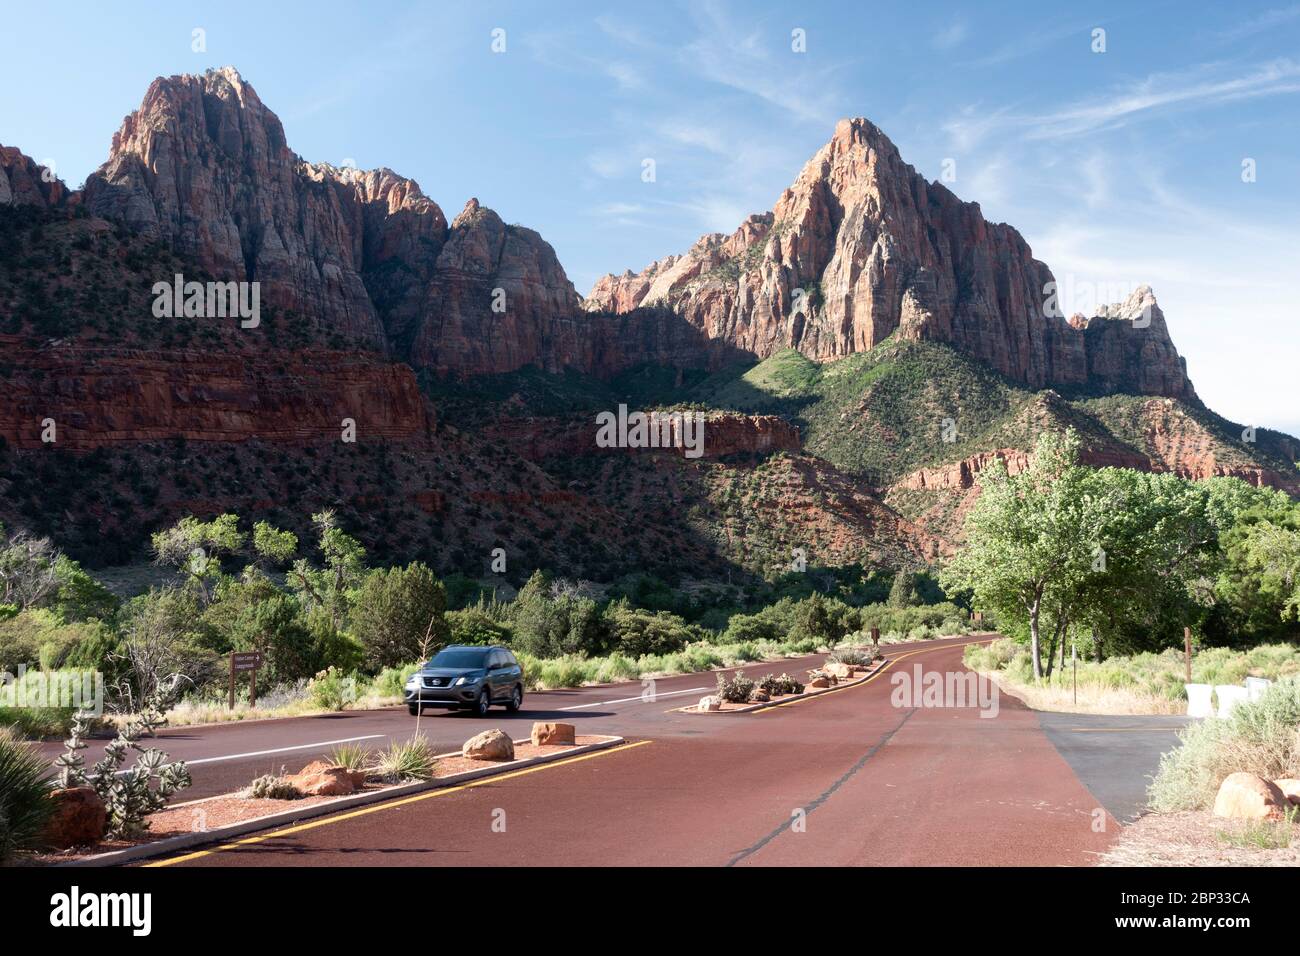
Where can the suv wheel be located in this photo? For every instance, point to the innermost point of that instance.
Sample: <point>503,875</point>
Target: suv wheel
<point>413,710</point>
<point>483,704</point>
<point>516,700</point>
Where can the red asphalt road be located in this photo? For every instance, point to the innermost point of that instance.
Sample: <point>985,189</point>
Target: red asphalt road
<point>871,783</point>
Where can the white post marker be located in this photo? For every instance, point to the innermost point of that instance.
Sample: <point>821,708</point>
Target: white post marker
<point>1230,695</point>
<point>1198,700</point>
<point>1255,686</point>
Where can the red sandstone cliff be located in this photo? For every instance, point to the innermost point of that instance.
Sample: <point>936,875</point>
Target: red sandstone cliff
<point>100,398</point>
<point>725,433</point>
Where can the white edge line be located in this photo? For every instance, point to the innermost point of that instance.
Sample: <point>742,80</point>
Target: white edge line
<point>624,700</point>
<point>278,750</point>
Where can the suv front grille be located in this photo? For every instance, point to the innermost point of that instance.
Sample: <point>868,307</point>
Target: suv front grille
<point>435,682</point>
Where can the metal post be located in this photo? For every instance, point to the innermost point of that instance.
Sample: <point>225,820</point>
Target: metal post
<point>1074,666</point>
<point>252,688</point>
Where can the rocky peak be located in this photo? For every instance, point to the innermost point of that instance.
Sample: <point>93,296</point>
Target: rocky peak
<point>205,165</point>
<point>24,182</point>
<point>861,247</point>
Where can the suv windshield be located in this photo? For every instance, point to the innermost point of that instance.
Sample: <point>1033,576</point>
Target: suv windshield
<point>460,657</point>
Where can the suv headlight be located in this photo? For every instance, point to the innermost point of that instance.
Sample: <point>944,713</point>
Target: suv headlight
<point>470,679</point>
<point>411,681</point>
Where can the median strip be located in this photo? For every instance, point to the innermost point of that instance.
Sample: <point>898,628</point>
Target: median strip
<point>380,799</point>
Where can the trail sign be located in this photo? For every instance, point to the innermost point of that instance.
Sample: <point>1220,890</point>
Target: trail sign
<point>241,662</point>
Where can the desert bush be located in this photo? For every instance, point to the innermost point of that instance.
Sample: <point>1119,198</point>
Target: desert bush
<point>477,625</point>
<point>636,632</point>
<point>736,688</point>
<point>405,760</point>
<point>391,681</point>
<point>1261,737</point>
<point>780,686</point>
<point>331,689</point>
<point>24,794</point>
<point>853,656</point>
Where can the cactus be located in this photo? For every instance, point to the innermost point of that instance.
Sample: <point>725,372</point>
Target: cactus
<point>128,796</point>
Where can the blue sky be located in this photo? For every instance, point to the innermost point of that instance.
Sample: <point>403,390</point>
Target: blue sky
<point>1119,167</point>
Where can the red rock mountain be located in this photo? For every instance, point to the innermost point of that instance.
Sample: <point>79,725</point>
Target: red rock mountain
<point>861,247</point>
<point>23,182</point>
<point>205,165</point>
<point>874,248</point>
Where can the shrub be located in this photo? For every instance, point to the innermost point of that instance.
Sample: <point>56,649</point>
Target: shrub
<point>854,656</point>
<point>352,756</point>
<point>391,681</point>
<point>395,608</point>
<point>272,786</point>
<point>24,790</point>
<point>1261,737</point>
<point>736,688</point>
<point>476,625</point>
<point>780,686</point>
<point>331,690</point>
<point>406,760</point>
<point>635,632</point>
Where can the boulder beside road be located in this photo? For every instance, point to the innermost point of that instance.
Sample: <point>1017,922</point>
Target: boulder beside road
<point>78,819</point>
<point>551,732</point>
<point>489,745</point>
<point>320,779</point>
<point>1245,796</point>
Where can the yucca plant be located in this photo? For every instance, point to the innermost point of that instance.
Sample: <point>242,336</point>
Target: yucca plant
<point>24,794</point>
<point>352,757</point>
<point>406,760</point>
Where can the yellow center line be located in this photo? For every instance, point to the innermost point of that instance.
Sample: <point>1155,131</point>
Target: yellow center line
<point>888,664</point>
<point>388,805</point>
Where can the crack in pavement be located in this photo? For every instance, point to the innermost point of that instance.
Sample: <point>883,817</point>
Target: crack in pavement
<point>828,792</point>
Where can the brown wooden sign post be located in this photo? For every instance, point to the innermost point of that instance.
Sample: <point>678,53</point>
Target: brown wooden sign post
<point>241,661</point>
<point>1187,652</point>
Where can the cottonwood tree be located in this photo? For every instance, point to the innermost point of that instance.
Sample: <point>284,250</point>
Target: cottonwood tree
<point>1160,548</point>
<point>1119,551</point>
<point>1030,538</point>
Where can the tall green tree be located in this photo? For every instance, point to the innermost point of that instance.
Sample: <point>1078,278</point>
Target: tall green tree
<point>395,609</point>
<point>330,588</point>
<point>1030,538</point>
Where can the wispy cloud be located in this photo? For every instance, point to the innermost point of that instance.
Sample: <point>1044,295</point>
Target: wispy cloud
<point>1165,92</point>
<point>738,55</point>
<point>1157,94</point>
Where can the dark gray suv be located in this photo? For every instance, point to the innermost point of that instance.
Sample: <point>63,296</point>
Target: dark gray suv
<point>468,677</point>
